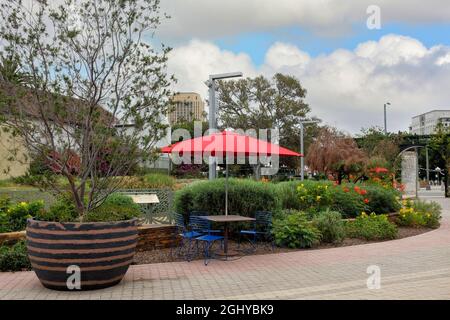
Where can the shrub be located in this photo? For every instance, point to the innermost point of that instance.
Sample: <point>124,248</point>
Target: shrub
<point>314,197</point>
<point>382,200</point>
<point>420,214</point>
<point>14,258</point>
<point>331,226</point>
<point>348,202</point>
<point>371,227</point>
<point>245,197</point>
<point>117,207</point>
<point>62,210</point>
<point>14,217</point>
<point>295,231</point>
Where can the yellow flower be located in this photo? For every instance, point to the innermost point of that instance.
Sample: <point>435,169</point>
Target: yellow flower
<point>23,204</point>
<point>318,198</point>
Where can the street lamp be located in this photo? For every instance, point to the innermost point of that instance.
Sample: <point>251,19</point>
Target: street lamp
<point>302,151</point>
<point>212,110</point>
<point>385,121</point>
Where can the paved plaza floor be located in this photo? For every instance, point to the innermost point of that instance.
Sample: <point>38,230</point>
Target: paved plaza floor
<point>410,268</point>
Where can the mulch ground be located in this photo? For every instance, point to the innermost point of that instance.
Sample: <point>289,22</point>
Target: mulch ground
<point>169,255</point>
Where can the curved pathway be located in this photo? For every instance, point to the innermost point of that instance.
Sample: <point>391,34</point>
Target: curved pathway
<point>411,268</point>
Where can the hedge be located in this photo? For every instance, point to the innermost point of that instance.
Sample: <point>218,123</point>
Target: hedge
<point>245,197</point>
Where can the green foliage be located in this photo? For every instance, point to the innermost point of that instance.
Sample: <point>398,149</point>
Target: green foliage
<point>159,181</point>
<point>382,199</point>
<point>331,226</point>
<point>420,213</point>
<point>371,227</point>
<point>14,258</point>
<point>349,203</point>
<point>314,196</point>
<point>348,199</point>
<point>244,197</point>
<point>117,207</point>
<point>295,231</point>
<point>13,217</point>
<point>62,210</point>
<point>148,181</point>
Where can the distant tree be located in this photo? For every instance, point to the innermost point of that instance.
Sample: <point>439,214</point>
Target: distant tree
<point>440,146</point>
<point>379,145</point>
<point>190,126</point>
<point>262,103</point>
<point>334,153</point>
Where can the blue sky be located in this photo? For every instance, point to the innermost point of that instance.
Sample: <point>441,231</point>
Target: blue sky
<point>406,62</point>
<point>256,44</point>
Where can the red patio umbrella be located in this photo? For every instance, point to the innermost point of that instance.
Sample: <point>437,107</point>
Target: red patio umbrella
<point>228,143</point>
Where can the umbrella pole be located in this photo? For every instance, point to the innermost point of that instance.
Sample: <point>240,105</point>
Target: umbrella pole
<point>226,189</point>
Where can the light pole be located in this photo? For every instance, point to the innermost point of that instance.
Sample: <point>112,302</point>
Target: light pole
<point>302,147</point>
<point>385,120</point>
<point>212,110</point>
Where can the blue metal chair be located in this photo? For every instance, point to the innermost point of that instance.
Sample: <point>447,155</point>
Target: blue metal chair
<point>208,239</point>
<point>188,238</point>
<point>262,230</point>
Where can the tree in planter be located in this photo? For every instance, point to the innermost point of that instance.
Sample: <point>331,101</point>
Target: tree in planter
<point>334,153</point>
<point>90,70</point>
<point>262,103</point>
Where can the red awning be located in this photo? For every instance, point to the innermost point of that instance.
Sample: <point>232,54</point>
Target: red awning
<point>227,142</point>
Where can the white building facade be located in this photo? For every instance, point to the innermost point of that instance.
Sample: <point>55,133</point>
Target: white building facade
<point>425,124</point>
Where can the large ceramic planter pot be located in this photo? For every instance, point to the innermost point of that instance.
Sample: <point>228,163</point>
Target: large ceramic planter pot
<point>102,252</point>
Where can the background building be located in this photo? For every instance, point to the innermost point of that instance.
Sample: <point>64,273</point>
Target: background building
<point>188,106</point>
<point>426,123</point>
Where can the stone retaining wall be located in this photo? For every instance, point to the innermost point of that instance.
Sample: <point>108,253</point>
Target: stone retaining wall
<point>150,237</point>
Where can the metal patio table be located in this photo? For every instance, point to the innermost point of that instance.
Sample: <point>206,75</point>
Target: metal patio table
<point>226,219</point>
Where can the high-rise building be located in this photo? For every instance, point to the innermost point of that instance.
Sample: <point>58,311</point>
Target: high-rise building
<point>426,123</point>
<point>188,106</point>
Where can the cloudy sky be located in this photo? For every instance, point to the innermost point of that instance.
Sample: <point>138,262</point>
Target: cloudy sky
<point>349,70</point>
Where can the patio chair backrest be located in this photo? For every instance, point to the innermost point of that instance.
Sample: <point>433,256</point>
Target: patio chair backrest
<point>196,223</point>
<point>263,220</point>
<point>179,220</point>
<point>199,213</point>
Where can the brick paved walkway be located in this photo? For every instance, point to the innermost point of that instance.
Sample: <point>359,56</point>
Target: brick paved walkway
<point>412,268</point>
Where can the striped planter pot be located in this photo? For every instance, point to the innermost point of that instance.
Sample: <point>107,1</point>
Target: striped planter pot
<point>97,254</point>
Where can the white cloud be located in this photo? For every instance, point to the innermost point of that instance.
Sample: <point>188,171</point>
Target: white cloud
<point>208,19</point>
<point>193,63</point>
<point>286,55</point>
<point>345,88</point>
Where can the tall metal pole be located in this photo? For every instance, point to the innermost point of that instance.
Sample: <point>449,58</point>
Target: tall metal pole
<point>385,121</point>
<point>302,159</point>
<point>212,111</point>
<point>427,164</point>
<point>212,123</point>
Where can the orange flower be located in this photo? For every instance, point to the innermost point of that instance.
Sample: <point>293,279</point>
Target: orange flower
<point>363,192</point>
<point>357,189</point>
<point>346,189</point>
<point>366,201</point>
